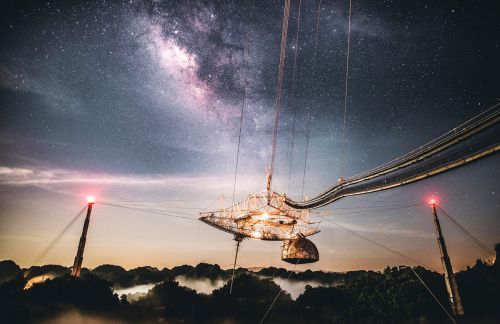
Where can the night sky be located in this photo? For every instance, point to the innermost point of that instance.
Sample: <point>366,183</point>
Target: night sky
<point>139,102</point>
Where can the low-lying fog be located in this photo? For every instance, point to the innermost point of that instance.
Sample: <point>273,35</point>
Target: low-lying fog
<point>135,292</point>
<point>295,288</point>
<point>202,286</point>
<point>206,286</point>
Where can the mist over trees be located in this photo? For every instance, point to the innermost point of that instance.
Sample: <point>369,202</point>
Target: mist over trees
<point>392,295</point>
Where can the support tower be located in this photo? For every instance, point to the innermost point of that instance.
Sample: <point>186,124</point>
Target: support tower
<point>77,265</point>
<point>449,277</point>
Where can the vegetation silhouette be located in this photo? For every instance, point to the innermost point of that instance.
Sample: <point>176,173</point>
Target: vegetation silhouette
<point>391,296</point>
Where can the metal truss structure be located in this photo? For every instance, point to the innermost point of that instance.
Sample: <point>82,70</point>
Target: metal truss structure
<point>477,138</point>
<point>263,216</point>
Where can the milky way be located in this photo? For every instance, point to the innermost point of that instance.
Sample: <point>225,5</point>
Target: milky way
<point>141,101</point>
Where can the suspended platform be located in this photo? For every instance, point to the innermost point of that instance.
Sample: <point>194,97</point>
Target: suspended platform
<point>262,216</point>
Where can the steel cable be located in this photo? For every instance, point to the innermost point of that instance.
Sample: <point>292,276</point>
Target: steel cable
<point>52,244</point>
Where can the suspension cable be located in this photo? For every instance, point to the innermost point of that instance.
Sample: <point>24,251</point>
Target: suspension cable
<point>279,88</point>
<point>162,207</point>
<point>145,210</point>
<point>308,122</point>
<point>380,244</point>
<point>51,245</point>
<point>294,99</point>
<point>468,235</point>
<point>290,272</point>
<point>242,106</point>
<point>405,257</point>
<point>476,127</point>
<point>342,155</point>
<point>433,296</point>
<point>364,213</point>
<point>434,142</point>
<point>238,242</point>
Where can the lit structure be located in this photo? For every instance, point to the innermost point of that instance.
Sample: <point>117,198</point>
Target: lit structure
<point>299,251</point>
<point>265,216</point>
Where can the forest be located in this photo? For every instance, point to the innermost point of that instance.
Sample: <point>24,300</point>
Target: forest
<point>394,295</point>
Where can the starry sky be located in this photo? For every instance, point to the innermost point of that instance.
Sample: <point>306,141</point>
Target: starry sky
<point>139,103</point>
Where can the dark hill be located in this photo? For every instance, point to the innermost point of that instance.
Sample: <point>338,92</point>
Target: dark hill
<point>9,270</point>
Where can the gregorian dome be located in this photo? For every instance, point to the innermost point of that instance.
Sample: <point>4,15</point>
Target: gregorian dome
<point>299,251</point>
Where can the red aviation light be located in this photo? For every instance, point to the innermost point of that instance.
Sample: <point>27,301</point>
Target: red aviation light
<point>433,201</point>
<point>90,199</point>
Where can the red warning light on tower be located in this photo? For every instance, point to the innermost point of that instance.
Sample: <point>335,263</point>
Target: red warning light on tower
<point>90,199</point>
<point>432,201</point>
